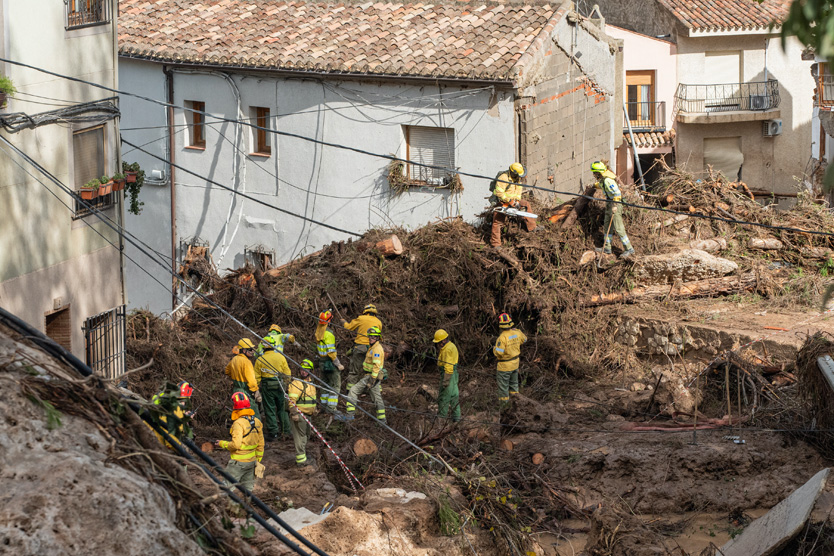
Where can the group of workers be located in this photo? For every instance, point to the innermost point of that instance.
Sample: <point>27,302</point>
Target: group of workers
<point>507,193</point>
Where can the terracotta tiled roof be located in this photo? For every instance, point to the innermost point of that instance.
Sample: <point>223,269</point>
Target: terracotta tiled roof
<point>651,140</point>
<point>459,40</point>
<point>727,15</point>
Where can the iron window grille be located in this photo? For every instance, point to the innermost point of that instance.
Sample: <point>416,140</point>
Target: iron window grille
<point>86,13</point>
<point>104,338</point>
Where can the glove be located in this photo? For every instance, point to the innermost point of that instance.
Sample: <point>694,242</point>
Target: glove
<point>259,470</point>
<point>258,397</point>
<point>291,339</point>
<point>340,366</point>
<point>515,204</point>
<point>295,417</point>
<point>615,209</point>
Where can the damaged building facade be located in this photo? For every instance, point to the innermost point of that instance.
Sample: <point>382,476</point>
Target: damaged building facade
<point>468,87</point>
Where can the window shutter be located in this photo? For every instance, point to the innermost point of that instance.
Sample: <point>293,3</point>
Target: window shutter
<point>434,146</point>
<point>88,155</point>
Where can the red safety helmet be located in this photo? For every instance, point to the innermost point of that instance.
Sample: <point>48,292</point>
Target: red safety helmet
<point>185,389</point>
<point>240,401</point>
<point>505,320</point>
<point>325,317</point>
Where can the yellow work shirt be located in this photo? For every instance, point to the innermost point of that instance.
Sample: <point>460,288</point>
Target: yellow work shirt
<point>247,432</point>
<point>325,342</point>
<point>240,369</point>
<point>374,360</point>
<point>448,358</point>
<point>303,395</point>
<point>508,349</point>
<point>361,325</point>
<point>272,364</point>
<point>507,192</point>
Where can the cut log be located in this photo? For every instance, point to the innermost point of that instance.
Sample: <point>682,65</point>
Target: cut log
<point>207,447</point>
<point>670,221</point>
<point>278,271</point>
<point>709,245</point>
<point>507,445</point>
<point>390,246</point>
<point>816,252</point>
<point>587,257</point>
<point>562,212</point>
<point>580,205</point>
<point>764,243</point>
<point>364,447</point>
<point>698,288</point>
<point>538,459</point>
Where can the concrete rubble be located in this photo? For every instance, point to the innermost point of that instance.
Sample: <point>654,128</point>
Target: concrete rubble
<point>686,265</point>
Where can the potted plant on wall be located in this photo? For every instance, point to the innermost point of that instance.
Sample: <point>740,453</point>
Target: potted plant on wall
<point>137,175</point>
<point>106,186</point>
<point>89,190</point>
<point>118,182</point>
<point>7,90</point>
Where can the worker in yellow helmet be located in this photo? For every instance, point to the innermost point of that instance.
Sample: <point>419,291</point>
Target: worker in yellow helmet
<point>246,449</point>
<point>361,325</point>
<point>374,369</point>
<point>607,181</point>
<point>331,367</point>
<point>303,397</point>
<point>280,339</point>
<point>447,362</point>
<point>273,376</point>
<point>507,192</point>
<point>242,373</point>
<point>507,350</point>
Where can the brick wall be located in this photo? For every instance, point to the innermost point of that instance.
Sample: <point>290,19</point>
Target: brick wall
<point>564,127</point>
<point>59,328</point>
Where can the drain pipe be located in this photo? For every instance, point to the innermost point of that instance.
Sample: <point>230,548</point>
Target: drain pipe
<point>634,148</point>
<point>169,82</point>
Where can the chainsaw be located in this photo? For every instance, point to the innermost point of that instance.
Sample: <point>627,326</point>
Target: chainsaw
<point>512,211</point>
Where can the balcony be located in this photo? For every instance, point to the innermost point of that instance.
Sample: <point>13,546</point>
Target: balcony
<point>645,117</point>
<point>728,103</point>
<point>86,13</point>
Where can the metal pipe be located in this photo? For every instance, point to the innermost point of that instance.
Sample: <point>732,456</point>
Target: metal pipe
<point>634,148</point>
<point>169,79</point>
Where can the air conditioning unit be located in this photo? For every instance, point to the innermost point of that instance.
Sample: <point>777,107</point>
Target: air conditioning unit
<point>771,128</point>
<point>759,102</point>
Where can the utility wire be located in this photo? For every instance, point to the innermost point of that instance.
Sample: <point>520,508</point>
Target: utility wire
<point>402,160</point>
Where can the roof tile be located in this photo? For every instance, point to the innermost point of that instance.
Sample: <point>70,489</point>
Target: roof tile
<point>465,40</point>
<point>729,15</point>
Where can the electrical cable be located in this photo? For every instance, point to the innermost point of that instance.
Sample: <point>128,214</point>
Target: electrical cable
<point>402,160</point>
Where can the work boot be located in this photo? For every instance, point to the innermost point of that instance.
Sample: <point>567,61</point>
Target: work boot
<point>270,437</point>
<point>605,250</point>
<point>627,253</point>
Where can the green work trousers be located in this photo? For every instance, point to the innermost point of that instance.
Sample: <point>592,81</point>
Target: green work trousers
<point>275,407</point>
<point>507,385</point>
<point>333,378</point>
<point>614,223</point>
<point>242,387</point>
<point>449,398</point>
<point>242,473</point>
<point>376,395</point>
<point>357,360</point>
<point>300,434</point>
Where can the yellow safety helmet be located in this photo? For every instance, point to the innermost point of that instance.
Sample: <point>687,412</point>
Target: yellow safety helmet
<point>374,332</point>
<point>245,343</point>
<point>517,170</point>
<point>370,308</point>
<point>307,365</point>
<point>598,167</point>
<point>269,342</point>
<point>274,328</point>
<point>440,335</point>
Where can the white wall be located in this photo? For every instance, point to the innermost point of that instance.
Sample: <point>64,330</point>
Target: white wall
<point>341,188</point>
<point>44,254</point>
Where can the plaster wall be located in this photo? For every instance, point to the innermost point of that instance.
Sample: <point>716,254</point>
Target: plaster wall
<point>342,188</point>
<point>642,16</point>
<point>770,163</point>
<point>39,241</point>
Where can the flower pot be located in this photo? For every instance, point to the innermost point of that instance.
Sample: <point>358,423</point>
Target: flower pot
<point>89,194</point>
<point>105,188</point>
<point>118,185</point>
<point>130,177</point>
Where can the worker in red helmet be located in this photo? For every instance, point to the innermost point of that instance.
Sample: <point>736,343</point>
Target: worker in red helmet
<point>246,448</point>
<point>508,351</point>
<point>331,367</point>
<point>172,411</point>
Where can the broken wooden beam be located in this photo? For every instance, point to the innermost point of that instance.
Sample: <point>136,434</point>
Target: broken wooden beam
<point>580,205</point>
<point>670,221</point>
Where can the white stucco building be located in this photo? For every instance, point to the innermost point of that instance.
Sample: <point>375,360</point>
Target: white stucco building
<point>60,268</point>
<point>469,87</point>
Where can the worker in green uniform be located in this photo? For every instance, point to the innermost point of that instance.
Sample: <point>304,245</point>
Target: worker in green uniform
<point>447,362</point>
<point>607,181</point>
<point>273,376</point>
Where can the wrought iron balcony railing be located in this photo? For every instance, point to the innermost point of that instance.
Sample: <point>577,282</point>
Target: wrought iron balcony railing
<point>757,96</point>
<point>645,116</point>
<point>85,13</point>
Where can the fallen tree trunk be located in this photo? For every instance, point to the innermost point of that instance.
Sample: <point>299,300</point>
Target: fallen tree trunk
<point>698,288</point>
<point>580,206</point>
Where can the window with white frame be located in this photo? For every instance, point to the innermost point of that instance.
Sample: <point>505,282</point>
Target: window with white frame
<point>430,152</point>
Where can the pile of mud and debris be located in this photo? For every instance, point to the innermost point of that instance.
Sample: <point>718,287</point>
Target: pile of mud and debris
<point>577,445</point>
